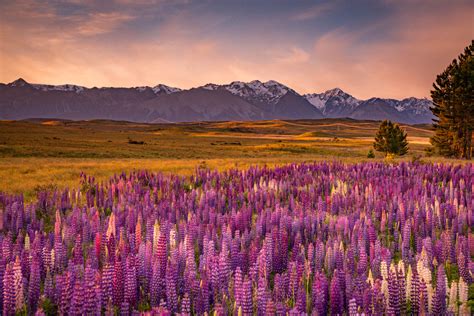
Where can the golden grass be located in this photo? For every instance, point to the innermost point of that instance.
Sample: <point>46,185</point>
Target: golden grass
<point>37,154</point>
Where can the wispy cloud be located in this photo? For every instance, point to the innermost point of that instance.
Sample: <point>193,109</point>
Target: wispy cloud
<point>314,11</point>
<point>296,55</point>
<point>101,23</point>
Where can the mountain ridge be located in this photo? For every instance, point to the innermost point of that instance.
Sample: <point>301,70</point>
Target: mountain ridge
<point>234,101</point>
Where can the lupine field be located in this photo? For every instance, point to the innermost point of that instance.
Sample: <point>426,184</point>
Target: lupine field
<point>301,239</point>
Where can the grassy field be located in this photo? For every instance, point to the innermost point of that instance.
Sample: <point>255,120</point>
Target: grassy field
<point>39,153</point>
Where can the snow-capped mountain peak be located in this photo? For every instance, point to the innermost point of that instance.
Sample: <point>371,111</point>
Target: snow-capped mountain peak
<point>333,102</point>
<point>254,91</point>
<point>164,89</point>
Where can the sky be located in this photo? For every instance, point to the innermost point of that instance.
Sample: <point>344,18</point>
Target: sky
<point>385,48</point>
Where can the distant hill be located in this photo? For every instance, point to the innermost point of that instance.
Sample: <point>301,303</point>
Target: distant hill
<point>243,101</point>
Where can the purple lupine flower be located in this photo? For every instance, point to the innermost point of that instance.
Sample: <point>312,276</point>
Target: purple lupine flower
<point>8,291</point>
<point>171,295</point>
<point>77,302</point>
<point>118,283</point>
<point>18,288</point>
<point>320,293</point>
<point>247,305</point>
<point>415,293</point>
<point>91,299</point>
<point>336,296</point>
<point>439,299</point>
<point>34,285</point>
<point>130,282</point>
<point>186,305</point>
<point>261,296</point>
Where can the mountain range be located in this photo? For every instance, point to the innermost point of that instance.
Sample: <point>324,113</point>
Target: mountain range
<point>242,101</point>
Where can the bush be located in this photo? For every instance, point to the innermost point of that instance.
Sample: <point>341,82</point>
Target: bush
<point>370,154</point>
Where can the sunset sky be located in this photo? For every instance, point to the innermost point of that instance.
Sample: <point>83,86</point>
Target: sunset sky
<point>390,48</point>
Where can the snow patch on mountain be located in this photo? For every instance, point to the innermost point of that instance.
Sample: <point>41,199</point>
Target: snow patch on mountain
<point>63,87</point>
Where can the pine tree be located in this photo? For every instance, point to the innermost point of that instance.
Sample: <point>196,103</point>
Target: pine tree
<point>453,106</point>
<point>391,139</point>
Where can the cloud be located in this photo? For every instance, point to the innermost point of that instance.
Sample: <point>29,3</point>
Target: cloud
<point>295,56</point>
<point>314,11</point>
<point>101,23</point>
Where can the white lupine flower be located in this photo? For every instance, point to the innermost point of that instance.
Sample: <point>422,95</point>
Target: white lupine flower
<point>430,292</point>
<point>111,227</point>
<point>385,290</point>
<point>370,278</point>
<point>401,268</point>
<point>384,270</point>
<point>156,235</point>
<point>463,292</point>
<point>52,257</point>
<point>172,238</point>
<point>27,242</point>
<point>453,295</point>
<point>408,283</point>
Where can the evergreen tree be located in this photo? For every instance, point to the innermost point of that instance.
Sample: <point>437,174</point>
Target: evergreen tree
<point>391,139</point>
<point>453,106</point>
